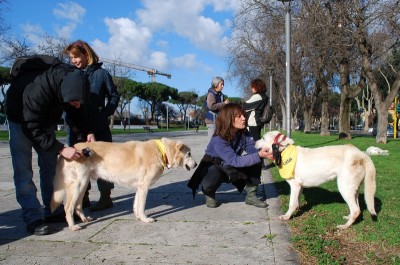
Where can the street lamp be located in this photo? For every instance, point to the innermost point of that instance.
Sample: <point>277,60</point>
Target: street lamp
<point>270,72</point>
<point>287,27</point>
<point>129,116</point>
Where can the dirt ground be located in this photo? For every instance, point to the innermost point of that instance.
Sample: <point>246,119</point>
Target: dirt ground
<point>351,251</point>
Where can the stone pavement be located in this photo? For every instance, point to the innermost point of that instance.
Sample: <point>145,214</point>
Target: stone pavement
<point>186,231</point>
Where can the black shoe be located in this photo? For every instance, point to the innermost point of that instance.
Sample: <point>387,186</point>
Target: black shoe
<point>38,228</point>
<point>59,218</point>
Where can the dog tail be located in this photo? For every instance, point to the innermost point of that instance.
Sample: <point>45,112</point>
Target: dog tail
<point>58,187</point>
<point>370,185</point>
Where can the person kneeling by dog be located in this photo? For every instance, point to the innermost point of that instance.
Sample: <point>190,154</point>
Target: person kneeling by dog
<point>230,157</point>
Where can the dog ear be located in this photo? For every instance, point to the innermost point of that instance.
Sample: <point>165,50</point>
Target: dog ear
<point>288,141</point>
<point>179,154</point>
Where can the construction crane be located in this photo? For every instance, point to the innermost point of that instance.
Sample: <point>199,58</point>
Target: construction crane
<point>150,71</point>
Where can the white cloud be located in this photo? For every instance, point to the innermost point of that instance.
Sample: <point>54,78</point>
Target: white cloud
<point>189,62</point>
<point>225,5</point>
<point>158,60</point>
<point>185,19</point>
<point>128,41</point>
<point>33,33</point>
<point>66,30</point>
<point>73,13</point>
<point>70,11</point>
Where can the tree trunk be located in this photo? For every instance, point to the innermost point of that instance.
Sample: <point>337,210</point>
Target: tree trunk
<point>344,116</point>
<point>381,137</point>
<point>307,121</point>
<point>324,109</point>
<point>324,119</point>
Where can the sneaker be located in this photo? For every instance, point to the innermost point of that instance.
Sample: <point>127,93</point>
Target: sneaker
<point>38,228</point>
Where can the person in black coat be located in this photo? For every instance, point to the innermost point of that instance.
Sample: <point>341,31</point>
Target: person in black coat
<point>254,107</point>
<point>35,103</point>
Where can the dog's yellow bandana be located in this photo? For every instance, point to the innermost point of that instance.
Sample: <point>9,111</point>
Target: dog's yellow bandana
<point>161,148</point>
<point>289,158</point>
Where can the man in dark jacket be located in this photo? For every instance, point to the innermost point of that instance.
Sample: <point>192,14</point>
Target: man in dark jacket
<point>35,103</point>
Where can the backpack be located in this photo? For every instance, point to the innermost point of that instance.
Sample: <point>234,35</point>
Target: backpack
<point>24,71</point>
<point>267,113</point>
<point>34,63</point>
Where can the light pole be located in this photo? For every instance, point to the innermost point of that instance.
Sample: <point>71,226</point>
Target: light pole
<point>270,72</point>
<point>129,116</point>
<point>287,27</point>
<point>167,117</point>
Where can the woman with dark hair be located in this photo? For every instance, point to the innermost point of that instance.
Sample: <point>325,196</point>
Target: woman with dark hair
<point>254,107</point>
<point>230,157</point>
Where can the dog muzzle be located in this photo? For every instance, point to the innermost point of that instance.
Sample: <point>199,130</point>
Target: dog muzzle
<point>87,152</point>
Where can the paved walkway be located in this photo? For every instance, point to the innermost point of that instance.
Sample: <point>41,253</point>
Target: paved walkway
<point>186,231</point>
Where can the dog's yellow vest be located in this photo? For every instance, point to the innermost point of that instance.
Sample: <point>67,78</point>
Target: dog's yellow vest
<point>289,158</point>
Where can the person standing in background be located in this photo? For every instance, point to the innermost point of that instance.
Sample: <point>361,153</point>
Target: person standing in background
<point>254,107</point>
<point>214,102</point>
<point>102,90</point>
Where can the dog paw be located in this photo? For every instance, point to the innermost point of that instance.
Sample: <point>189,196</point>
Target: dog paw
<point>284,217</point>
<point>87,219</point>
<point>147,220</point>
<point>75,228</point>
<point>342,227</point>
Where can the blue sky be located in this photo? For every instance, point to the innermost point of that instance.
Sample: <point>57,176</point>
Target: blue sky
<point>185,38</point>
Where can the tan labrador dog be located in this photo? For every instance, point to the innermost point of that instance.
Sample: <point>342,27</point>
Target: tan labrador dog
<point>136,164</point>
<point>315,166</point>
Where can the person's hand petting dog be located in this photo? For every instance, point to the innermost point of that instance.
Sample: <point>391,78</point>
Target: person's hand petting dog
<point>70,153</point>
<point>265,152</point>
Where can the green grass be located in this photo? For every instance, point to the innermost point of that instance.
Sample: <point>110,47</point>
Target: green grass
<point>367,241</point>
<point>3,135</point>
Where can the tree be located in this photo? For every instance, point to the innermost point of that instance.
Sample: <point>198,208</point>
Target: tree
<point>126,89</point>
<point>184,100</point>
<point>4,82</point>
<point>335,45</point>
<point>153,93</point>
<point>364,104</point>
<point>374,45</point>
<point>167,111</point>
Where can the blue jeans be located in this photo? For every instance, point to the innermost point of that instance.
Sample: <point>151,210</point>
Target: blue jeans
<point>21,156</point>
<point>210,131</point>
